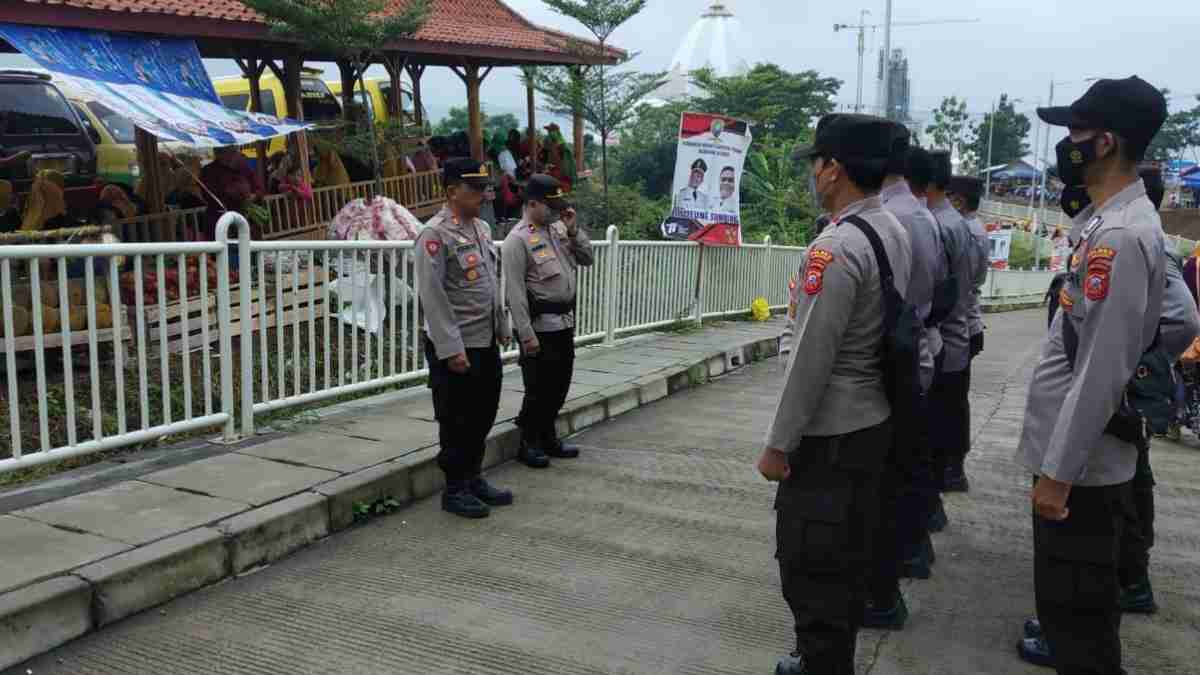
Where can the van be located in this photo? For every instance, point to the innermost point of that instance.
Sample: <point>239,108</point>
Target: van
<point>36,117</point>
<point>378,100</point>
<point>116,147</point>
<point>319,104</point>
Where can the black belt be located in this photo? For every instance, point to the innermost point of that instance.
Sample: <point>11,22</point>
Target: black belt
<point>541,307</point>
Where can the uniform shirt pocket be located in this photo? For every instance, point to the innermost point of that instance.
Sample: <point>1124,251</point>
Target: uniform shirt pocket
<point>467,257</point>
<point>546,264</point>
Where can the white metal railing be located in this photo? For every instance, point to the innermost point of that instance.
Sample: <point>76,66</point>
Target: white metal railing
<point>154,340</point>
<point>1015,286</point>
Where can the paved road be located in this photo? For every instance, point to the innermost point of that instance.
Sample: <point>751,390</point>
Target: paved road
<point>651,554</point>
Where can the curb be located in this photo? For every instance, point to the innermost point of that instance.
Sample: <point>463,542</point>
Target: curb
<point>41,616</point>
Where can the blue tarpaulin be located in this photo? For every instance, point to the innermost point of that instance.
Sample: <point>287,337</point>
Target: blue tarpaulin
<point>159,84</point>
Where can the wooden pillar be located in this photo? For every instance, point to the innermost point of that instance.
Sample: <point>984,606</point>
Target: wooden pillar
<point>533,137</point>
<point>577,74</point>
<point>394,64</point>
<point>252,69</point>
<point>415,71</point>
<point>471,76</point>
<point>349,75</point>
<point>289,74</point>
<point>152,178</point>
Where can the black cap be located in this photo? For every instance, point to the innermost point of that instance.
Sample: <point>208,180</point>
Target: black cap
<point>845,137</point>
<point>967,186</point>
<point>1131,107</point>
<point>546,189</point>
<point>700,164</point>
<point>463,170</point>
<point>942,169</point>
<point>898,160</point>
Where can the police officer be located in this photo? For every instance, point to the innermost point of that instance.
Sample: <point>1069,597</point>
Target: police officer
<point>903,548</point>
<point>1077,440</point>
<point>964,193</point>
<point>459,283</point>
<point>952,384</point>
<point>1177,327</point>
<point>541,256</point>
<point>831,434</point>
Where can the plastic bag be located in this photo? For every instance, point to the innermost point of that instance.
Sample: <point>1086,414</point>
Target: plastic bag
<point>760,310</point>
<point>361,298</point>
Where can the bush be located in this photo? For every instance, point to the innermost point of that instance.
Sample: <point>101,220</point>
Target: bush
<point>636,216</point>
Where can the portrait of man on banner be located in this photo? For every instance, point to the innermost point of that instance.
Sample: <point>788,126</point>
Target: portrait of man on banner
<point>708,175</point>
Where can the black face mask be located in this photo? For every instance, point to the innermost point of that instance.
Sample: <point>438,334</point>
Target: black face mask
<point>1073,157</point>
<point>1074,199</point>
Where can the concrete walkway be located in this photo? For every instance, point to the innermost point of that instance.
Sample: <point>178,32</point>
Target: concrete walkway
<point>650,554</point>
<point>94,547</point>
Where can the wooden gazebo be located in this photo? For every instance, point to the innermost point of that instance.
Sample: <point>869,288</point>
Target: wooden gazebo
<point>472,37</point>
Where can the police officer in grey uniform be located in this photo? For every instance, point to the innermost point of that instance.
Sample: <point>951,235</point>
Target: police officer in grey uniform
<point>948,401</point>
<point>458,274</point>
<point>1079,440</point>
<point>964,194</point>
<point>541,257</point>
<point>903,548</point>
<point>1177,327</point>
<point>831,435</point>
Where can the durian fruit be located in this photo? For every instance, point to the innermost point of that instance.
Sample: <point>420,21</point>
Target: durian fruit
<point>22,322</point>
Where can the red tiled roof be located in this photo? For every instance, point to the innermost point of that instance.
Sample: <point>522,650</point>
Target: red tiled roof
<point>478,23</point>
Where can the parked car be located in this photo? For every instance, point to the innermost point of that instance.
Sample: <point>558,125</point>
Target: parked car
<point>318,104</point>
<point>36,118</point>
<point>378,100</point>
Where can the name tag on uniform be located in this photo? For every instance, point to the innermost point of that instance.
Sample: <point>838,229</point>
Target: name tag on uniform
<point>1094,223</point>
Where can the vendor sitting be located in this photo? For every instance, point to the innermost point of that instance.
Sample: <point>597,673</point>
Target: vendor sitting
<point>232,185</point>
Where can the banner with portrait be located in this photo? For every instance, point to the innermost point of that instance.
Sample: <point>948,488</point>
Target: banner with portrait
<point>706,206</point>
<point>160,84</point>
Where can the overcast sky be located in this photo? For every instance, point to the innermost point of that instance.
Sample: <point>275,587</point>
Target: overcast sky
<point>1017,47</point>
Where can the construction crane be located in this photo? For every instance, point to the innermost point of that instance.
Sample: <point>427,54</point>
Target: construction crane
<point>862,27</point>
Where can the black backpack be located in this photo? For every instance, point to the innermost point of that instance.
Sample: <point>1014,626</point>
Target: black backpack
<point>901,357</point>
<point>945,292</point>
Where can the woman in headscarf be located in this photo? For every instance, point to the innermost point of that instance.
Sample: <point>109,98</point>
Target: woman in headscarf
<point>330,170</point>
<point>46,208</point>
<point>231,186</point>
<point>116,201</point>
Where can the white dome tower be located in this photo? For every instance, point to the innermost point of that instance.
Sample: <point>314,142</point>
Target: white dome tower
<point>714,41</point>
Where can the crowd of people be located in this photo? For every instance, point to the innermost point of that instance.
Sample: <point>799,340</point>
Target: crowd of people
<point>873,421</point>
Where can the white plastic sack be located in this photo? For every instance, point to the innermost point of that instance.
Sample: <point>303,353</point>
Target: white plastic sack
<point>361,297</point>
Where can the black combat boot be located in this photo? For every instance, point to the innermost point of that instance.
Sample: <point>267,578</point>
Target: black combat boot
<point>938,520</point>
<point>457,499</point>
<point>532,456</point>
<point>490,495</point>
<point>559,450</point>
<point>1138,598</point>
<point>956,479</point>
<point>891,617</point>
<point>1035,650</point>
<point>919,565</point>
<point>792,664</point>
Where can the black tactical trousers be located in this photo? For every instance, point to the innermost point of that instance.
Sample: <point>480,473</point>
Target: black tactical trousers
<point>1076,579</point>
<point>547,378</point>
<point>827,513</point>
<point>907,497</point>
<point>950,419</point>
<point>1138,537</point>
<point>465,407</point>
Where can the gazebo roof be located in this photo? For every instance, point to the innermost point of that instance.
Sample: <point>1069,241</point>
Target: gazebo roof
<point>487,31</point>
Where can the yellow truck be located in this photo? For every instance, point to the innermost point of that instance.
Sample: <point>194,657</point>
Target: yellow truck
<point>319,104</point>
<point>378,99</point>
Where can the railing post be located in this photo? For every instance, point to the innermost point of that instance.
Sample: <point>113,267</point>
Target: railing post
<point>224,318</point>
<point>700,285</point>
<point>764,272</point>
<point>610,284</point>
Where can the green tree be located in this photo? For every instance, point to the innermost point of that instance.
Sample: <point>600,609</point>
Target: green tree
<point>775,101</point>
<point>777,202</point>
<point>455,121</point>
<point>1008,138</point>
<point>1180,132</point>
<point>602,18</point>
<point>950,126</point>
<point>646,154</point>
<point>500,124</point>
<point>352,30</point>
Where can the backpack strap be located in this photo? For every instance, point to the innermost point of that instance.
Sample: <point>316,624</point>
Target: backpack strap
<point>881,256</point>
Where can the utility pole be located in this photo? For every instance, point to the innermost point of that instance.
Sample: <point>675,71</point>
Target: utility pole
<point>987,167</point>
<point>887,61</point>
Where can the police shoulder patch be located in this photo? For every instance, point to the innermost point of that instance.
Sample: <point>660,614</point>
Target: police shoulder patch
<point>814,273</point>
<point>1099,272</point>
<point>432,247</point>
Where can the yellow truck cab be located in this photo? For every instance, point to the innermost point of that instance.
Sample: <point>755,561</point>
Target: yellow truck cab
<point>319,104</point>
<point>378,99</point>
